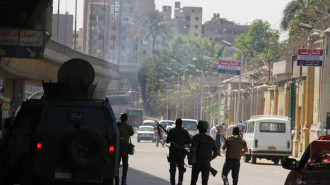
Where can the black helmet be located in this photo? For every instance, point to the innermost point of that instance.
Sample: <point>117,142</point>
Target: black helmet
<point>202,124</point>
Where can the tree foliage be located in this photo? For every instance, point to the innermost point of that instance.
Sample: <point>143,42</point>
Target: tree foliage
<point>260,46</point>
<point>313,12</point>
<point>154,25</point>
<point>183,50</point>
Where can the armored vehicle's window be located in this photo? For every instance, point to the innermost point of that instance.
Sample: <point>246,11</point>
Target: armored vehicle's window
<point>272,127</point>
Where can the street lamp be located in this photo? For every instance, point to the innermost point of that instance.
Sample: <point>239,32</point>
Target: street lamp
<point>228,44</point>
<point>184,77</point>
<point>202,96</point>
<point>219,94</point>
<point>325,46</point>
<point>161,80</point>
<point>177,99</point>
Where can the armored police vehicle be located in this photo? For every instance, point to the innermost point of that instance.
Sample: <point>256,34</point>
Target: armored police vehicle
<point>66,137</point>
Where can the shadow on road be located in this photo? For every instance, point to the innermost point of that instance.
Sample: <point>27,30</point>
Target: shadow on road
<point>138,177</point>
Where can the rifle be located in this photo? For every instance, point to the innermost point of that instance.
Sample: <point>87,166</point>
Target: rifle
<point>212,170</point>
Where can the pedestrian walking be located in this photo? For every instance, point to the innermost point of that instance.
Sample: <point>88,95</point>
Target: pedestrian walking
<point>215,133</point>
<point>241,127</point>
<point>125,131</point>
<point>178,137</point>
<point>223,133</point>
<point>235,146</point>
<point>159,134</point>
<point>205,149</point>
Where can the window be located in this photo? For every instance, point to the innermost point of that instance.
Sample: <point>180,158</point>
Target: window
<point>272,127</point>
<point>144,52</point>
<point>144,42</point>
<point>196,18</point>
<point>196,26</point>
<point>196,34</point>
<point>250,127</point>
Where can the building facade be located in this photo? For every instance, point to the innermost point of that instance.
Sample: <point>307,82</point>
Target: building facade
<point>222,29</point>
<point>189,19</point>
<point>62,26</point>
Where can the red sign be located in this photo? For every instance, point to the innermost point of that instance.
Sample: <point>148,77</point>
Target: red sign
<point>310,57</point>
<point>229,67</point>
<point>310,52</point>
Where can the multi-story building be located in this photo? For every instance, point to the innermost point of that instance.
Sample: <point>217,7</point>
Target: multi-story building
<point>96,28</point>
<point>62,26</point>
<point>222,29</point>
<point>78,40</point>
<point>189,19</point>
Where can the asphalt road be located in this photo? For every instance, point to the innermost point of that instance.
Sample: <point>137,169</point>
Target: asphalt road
<point>149,166</point>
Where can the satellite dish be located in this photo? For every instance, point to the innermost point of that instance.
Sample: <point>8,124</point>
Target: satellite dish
<point>76,73</point>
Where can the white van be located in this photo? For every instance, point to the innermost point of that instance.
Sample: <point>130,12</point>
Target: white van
<point>269,137</point>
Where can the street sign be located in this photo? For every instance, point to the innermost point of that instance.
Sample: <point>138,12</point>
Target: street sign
<point>229,67</point>
<point>310,57</point>
<point>21,43</point>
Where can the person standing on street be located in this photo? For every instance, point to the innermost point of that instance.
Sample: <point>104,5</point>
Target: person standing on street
<point>241,127</point>
<point>215,133</point>
<point>159,134</point>
<point>178,137</point>
<point>125,131</point>
<point>235,146</point>
<point>205,149</point>
<point>223,133</point>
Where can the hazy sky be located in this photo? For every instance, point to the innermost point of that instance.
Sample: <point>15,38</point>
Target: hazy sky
<point>240,11</point>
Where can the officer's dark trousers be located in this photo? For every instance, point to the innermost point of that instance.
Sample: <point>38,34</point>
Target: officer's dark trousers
<point>176,159</point>
<point>196,168</point>
<point>123,156</point>
<point>233,165</point>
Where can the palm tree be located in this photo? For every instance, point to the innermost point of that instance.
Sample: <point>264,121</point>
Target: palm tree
<point>153,25</point>
<point>292,9</point>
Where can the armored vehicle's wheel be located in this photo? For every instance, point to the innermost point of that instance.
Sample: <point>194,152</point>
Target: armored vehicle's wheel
<point>86,148</point>
<point>276,161</point>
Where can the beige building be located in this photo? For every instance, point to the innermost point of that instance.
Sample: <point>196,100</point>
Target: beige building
<point>296,93</point>
<point>189,18</point>
<point>222,29</point>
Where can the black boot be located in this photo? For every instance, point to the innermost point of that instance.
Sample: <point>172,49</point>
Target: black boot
<point>123,180</point>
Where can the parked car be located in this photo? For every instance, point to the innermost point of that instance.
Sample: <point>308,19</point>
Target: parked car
<point>166,123</point>
<point>168,128</point>
<point>149,123</point>
<point>268,137</point>
<point>190,125</point>
<point>146,133</point>
<point>314,165</point>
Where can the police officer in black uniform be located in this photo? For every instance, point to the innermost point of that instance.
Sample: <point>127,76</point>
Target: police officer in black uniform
<point>125,131</point>
<point>178,137</point>
<point>206,150</point>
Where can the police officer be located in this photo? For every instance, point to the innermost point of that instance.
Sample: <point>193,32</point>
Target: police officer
<point>178,137</point>
<point>235,146</point>
<point>206,150</point>
<point>125,131</point>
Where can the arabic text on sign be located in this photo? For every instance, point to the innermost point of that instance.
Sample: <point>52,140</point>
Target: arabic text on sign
<point>310,52</point>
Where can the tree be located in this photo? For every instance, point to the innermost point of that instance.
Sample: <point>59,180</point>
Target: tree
<point>313,12</point>
<point>185,50</point>
<point>260,46</point>
<point>153,25</point>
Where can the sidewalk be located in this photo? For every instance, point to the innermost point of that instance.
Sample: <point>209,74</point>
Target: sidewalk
<point>137,177</point>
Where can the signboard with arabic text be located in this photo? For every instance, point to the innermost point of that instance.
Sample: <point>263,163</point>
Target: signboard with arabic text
<point>310,57</point>
<point>229,67</point>
<point>21,43</point>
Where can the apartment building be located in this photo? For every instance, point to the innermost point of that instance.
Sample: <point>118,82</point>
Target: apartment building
<point>189,19</point>
<point>222,29</point>
<point>62,29</point>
